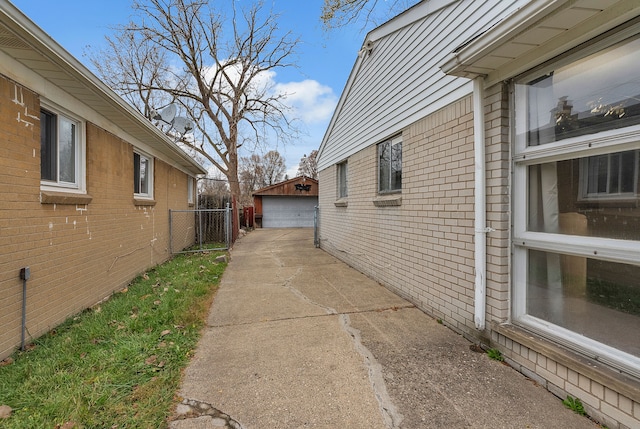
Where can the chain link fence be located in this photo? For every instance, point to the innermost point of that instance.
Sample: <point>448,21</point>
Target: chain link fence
<point>200,230</point>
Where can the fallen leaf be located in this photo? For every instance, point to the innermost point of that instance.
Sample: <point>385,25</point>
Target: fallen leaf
<point>165,332</point>
<point>5,411</point>
<point>151,360</point>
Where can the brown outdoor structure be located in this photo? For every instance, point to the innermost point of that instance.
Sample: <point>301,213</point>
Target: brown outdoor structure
<point>289,203</point>
<point>86,186</point>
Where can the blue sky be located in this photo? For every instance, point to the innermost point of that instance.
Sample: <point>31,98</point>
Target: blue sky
<point>324,59</point>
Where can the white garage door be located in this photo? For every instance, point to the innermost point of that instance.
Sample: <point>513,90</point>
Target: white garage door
<point>288,212</point>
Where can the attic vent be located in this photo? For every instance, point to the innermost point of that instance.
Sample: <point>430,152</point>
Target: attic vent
<point>366,49</point>
<point>8,40</point>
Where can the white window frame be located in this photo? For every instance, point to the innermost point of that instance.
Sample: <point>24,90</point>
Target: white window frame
<point>148,195</point>
<point>608,249</point>
<point>342,179</point>
<point>79,183</point>
<point>190,190</point>
<point>394,141</point>
<point>607,195</point>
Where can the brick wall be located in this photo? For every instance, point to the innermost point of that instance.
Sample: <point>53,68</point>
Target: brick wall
<point>423,248</point>
<point>78,254</point>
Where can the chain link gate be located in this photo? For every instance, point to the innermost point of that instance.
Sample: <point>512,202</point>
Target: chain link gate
<point>200,230</point>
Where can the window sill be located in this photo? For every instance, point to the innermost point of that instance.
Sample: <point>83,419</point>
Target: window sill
<point>143,202</point>
<point>597,371</point>
<point>388,200</point>
<point>55,197</point>
<point>342,202</point>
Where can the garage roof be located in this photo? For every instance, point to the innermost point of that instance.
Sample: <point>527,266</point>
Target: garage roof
<point>301,186</point>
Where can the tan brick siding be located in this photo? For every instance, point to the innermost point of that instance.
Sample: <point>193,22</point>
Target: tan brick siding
<point>424,251</point>
<point>78,254</point>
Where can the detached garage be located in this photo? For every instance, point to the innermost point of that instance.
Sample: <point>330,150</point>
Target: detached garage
<point>288,204</point>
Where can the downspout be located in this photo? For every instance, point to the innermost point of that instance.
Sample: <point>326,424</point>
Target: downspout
<point>480,204</point>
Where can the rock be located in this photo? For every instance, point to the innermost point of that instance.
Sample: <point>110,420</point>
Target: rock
<point>5,411</point>
<point>222,259</point>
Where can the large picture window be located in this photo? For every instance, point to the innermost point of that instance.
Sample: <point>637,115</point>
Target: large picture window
<point>60,151</point>
<point>390,165</point>
<point>576,209</point>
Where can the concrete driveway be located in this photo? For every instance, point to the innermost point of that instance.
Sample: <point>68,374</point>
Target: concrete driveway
<point>297,339</point>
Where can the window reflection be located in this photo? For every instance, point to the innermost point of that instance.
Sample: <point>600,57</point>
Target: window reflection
<point>594,196</point>
<point>597,93</point>
<point>597,299</point>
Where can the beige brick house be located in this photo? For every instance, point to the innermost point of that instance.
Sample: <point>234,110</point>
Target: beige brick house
<point>483,162</point>
<point>86,184</point>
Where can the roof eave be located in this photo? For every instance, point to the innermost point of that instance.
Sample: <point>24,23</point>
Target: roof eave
<point>21,25</point>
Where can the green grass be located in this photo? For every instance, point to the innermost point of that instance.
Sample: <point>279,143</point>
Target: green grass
<point>618,296</point>
<point>495,355</point>
<point>575,405</point>
<point>119,364</point>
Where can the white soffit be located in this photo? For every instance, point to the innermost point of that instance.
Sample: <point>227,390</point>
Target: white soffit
<point>535,33</point>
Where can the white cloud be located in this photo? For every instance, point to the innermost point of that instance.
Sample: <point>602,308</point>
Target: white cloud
<point>311,101</point>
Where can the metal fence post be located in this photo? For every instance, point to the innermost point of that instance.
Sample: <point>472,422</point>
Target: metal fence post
<point>228,226</point>
<point>316,240</point>
<point>200,232</point>
<point>170,232</point>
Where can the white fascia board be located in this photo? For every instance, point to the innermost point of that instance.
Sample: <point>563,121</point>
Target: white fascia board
<point>408,17</point>
<point>459,61</point>
<point>336,112</point>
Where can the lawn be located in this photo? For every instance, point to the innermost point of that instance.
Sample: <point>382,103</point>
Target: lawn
<point>118,364</point>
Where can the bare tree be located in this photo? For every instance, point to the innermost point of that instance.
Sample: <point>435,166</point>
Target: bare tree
<point>309,165</point>
<point>214,68</point>
<point>340,13</point>
<point>251,177</point>
<point>274,167</point>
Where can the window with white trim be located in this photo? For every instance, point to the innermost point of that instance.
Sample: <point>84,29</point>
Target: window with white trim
<point>343,188</point>
<point>61,151</point>
<point>390,165</point>
<point>612,176</point>
<point>190,189</point>
<point>142,175</point>
<point>576,234</point>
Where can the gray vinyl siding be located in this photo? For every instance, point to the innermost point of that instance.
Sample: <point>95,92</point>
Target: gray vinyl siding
<point>401,81</point>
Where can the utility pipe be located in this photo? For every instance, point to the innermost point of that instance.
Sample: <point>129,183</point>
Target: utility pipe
<point>480,204</point>
<point>25,274</point>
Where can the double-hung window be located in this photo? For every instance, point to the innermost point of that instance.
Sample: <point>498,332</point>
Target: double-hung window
<point>142,175</point>
<point>61,151</point>
<point>390,165</point>
<point>576,234</point>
